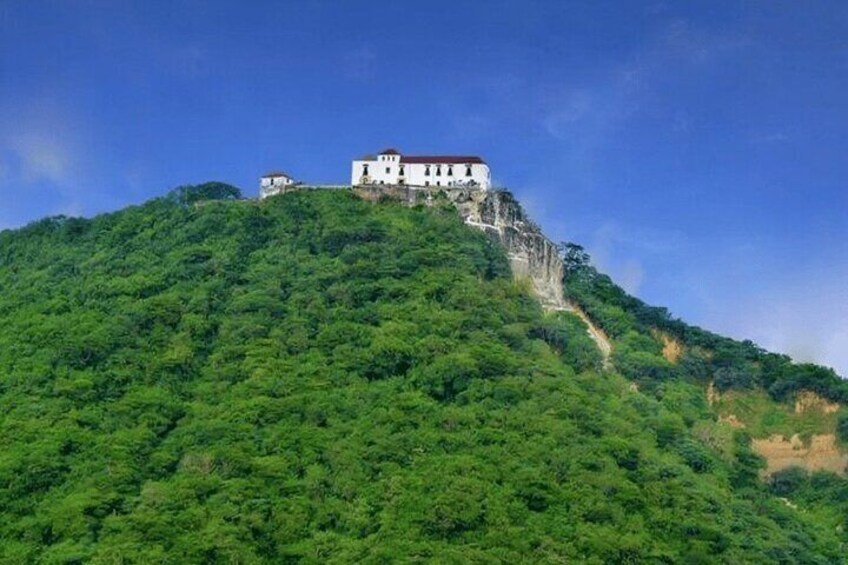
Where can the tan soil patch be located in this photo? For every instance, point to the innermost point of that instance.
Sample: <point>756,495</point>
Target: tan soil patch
<point>712,394</point>
<point>807,400</point>
<point>672,349</point>
<point>732,420</point>
<point>822,453</point>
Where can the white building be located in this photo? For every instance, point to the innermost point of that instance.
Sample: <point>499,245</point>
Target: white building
<point>390,167</point>
<point>274,183</point>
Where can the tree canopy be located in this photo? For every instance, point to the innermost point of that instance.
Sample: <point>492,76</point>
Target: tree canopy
<point>313,378</point>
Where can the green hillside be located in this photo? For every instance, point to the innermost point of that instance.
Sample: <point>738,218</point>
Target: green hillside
<point>314,378</point>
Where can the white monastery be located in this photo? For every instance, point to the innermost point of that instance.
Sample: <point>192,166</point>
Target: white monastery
<point>393,168</point>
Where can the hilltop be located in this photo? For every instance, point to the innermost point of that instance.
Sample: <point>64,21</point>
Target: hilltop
<point>319,378</point>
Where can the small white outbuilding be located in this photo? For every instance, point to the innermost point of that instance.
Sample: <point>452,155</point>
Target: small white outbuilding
<point>275,182</point>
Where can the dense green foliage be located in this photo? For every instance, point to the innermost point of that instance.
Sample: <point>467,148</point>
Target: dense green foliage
<point>730,363</point>
<point>188,194</point>
<point>314,378</point>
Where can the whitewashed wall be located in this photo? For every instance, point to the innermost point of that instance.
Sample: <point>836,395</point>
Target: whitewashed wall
<point>386,169</point>
<point>269,186</point>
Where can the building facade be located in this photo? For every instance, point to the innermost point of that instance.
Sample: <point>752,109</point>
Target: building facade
<point>275,183</point>
<point>393,168</point>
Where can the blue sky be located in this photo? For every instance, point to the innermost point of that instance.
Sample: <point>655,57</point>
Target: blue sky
<point>697,149</point>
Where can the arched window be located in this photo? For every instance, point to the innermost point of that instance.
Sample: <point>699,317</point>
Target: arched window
<point>468,170</point>
<point>438,171</point>
<point>450,171</point>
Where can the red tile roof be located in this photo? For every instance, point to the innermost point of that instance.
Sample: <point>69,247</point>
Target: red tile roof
<point>390,151</point>
<point>274,174</point>
<point>442,159</point>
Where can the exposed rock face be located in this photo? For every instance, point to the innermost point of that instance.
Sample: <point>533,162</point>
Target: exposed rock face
<point>531,255</point>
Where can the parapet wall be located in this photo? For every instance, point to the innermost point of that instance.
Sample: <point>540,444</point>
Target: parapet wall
<point>532,255</point>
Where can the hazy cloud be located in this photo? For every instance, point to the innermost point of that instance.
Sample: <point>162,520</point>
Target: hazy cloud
<point>41,142</point>
<point>631,275</point>
<point>41,155</point>
<point>644,238</point>
<point>41,151</point>
<point>619,251</point>
<point>805,319</point>
<point>560,123</point>
<point>768,138</point>
<point>785,304</point>
<point>471,126</point>
<point>699,46</point>
<point>359,64</point>
<point>591,114</point>
<point>190,60</point>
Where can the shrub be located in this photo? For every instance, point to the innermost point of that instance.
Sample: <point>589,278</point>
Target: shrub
<point>787,481</point>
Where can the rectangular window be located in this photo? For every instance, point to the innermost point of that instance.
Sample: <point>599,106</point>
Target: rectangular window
<point>427,171</point>
<point>388,170</point>
<point>468,171</point>
<point>450,171</point>
<point>438,171</point>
